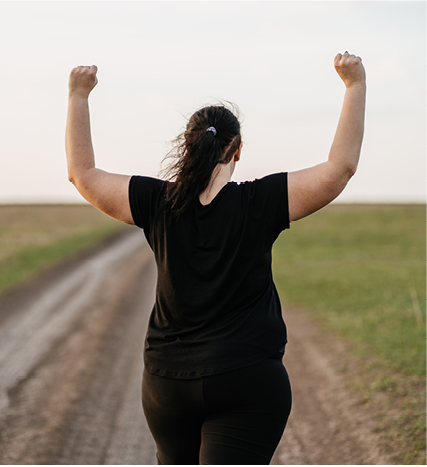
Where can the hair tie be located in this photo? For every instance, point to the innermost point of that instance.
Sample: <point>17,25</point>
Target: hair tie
<point>211,128</point>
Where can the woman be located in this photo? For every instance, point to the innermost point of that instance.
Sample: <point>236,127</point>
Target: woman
<point>215,390</point>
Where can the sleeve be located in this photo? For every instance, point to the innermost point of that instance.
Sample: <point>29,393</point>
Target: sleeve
<point>144,199</point>
<point>271,200</point>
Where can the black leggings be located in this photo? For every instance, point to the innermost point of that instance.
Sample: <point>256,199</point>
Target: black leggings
<point>234,418</point>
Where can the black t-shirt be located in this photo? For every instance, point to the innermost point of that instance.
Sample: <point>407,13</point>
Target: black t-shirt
<point>216,306</point>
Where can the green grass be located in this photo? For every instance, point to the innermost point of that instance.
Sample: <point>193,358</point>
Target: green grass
<point>34,237</point>
<point>362,268</point>
<point>359,270</point>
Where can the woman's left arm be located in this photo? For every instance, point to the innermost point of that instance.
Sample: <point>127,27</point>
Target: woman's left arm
<point>106,191</point>
<point>313,188</point>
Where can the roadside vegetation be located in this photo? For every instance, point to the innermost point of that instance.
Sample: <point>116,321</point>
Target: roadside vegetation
<point>359,271</point>
<point>33,237</point>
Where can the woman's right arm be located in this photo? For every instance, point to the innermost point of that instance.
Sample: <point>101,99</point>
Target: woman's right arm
<point>106,191</point>
<point>311,189</point>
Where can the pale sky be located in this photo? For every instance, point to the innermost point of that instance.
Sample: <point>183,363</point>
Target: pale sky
<point>160,61</point>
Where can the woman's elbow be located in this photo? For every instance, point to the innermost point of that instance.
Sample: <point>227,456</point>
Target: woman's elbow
<point>352,169</point>
<point>78,181</point>
<point>79,178</point>
<point>71,171</point>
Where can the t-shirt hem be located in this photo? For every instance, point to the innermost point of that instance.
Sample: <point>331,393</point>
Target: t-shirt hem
<point>208,371</point>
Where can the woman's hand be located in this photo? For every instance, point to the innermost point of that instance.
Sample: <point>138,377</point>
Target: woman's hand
<point>350,69</point>
<point>82,80</point>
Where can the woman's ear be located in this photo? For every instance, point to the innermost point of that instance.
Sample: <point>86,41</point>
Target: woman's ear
<point>237,153</point>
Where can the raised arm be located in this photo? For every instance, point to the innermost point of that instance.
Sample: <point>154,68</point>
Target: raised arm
<point>313,188</point>
<point>106,191</point>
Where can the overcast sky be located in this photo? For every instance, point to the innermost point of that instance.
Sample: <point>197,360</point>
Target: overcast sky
<point>160,61</point>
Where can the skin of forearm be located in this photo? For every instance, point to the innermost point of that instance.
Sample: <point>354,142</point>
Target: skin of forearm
<point>78,141</point>
<point>345,149</point>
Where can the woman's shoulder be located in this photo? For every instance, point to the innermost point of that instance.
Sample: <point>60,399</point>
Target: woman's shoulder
<point>142,182</point>
<point>269,182</point>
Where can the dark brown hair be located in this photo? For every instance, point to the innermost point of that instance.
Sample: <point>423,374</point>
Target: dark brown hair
<point>197,152</point>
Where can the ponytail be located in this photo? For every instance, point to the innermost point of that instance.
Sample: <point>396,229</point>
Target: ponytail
<point>211,137</point>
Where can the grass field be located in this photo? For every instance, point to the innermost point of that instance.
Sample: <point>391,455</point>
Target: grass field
<point>33,237</point>
<point>360,272</point>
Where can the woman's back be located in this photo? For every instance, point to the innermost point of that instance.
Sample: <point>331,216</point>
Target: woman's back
<point>215,289</point>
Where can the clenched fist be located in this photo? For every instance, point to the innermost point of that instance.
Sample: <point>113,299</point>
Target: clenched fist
<point>350,69</point>
<point>82,80</point>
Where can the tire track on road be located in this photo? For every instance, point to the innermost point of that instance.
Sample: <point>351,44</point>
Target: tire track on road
<point>328,424</point>
<point>72,391</point>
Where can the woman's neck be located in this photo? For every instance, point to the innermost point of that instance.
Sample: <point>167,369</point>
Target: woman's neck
<point>220,177</point>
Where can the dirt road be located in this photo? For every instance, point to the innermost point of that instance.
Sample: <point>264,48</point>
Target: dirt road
<point>71,346</point>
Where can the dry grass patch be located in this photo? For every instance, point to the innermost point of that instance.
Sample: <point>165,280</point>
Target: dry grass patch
<point>33,237</point>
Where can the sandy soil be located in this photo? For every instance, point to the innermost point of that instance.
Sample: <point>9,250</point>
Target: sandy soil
<point>71,346</point>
